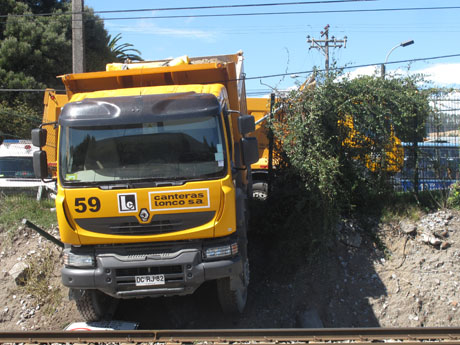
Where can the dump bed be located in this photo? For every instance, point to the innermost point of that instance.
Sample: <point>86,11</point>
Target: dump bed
<point>221,69</point>
<point>260,108</point>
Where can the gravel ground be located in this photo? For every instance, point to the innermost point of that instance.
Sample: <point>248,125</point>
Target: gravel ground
<point>410,279</point>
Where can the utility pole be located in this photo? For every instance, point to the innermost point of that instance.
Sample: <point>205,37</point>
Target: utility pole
<point>78,37</point>
<point>324,44</point>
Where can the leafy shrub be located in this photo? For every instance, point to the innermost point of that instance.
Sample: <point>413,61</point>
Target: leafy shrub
<point>332,144</point>
<point>454,196</point>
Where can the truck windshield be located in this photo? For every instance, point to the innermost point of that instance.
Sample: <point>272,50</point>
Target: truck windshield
<point>20,167</point>
<point>191,148</point>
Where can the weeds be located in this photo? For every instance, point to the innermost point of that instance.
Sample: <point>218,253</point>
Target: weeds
<point>392,213</point>
<point>410,206</point>
<point>38,277</point>
<point>14,208</point>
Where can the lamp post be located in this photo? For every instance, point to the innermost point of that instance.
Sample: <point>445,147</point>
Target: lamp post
<point>402,44</point>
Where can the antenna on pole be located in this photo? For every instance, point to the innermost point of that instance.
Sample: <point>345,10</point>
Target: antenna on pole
<point>325,43</point>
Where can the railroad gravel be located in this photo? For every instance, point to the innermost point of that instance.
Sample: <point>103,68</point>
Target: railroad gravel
<point>397,274</point>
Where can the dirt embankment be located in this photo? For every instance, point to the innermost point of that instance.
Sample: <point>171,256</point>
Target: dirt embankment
<point>409,278</point>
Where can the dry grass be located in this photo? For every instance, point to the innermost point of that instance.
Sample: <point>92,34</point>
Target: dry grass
<point>39,277</point>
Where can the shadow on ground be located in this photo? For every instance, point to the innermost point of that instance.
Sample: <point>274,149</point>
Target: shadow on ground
<point>337,288</point>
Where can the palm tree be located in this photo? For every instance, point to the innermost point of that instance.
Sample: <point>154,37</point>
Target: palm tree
<point>123,51</point>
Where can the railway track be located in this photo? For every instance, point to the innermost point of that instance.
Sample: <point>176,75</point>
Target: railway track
<point>407,336</point>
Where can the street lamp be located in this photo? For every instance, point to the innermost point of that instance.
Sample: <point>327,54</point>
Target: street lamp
<point>402,44</point>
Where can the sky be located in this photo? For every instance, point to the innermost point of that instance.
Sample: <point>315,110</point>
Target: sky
<point>277,43</point>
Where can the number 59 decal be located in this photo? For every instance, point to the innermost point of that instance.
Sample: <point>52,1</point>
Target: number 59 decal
<point>93,204</point>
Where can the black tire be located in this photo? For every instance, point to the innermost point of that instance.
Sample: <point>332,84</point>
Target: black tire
<point>234,301</point>
<point>260,191</point>
<point>94,305</point>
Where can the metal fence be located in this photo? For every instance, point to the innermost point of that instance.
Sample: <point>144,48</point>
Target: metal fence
<point>434,163</point>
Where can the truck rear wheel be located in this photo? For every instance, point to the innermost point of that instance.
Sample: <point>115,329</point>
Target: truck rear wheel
<point>233,301</point>
<point>94,305</point>
<point>260,190</point>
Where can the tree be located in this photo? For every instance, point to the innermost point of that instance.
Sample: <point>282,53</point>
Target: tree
<point>17,121</point>
<point>36,49</point>
<point>41,47</point>
<point>47,6</point>
<point>123,51</point>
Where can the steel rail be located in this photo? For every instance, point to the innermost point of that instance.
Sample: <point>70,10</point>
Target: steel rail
<point>447,335</point>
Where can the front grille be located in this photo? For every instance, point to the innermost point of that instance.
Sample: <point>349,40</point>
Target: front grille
<point>160,224</point>
<point>155,227</point>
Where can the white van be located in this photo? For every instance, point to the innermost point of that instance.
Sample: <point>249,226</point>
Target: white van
<point>16,166</point>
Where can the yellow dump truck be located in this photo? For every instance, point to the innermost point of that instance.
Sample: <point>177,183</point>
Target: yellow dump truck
<point>152,162</point>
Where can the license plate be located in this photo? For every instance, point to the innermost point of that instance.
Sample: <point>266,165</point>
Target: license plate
<point>148,280</point>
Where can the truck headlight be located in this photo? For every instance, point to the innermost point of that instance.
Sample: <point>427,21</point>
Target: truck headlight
<point>221,251</point>
<point>78,260</point>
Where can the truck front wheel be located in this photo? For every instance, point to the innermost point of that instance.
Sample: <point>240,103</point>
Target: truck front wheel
<point>94,305</point>
<point>234,294</point>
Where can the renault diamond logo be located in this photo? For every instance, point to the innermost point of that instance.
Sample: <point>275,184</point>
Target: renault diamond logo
<point>144,215</point>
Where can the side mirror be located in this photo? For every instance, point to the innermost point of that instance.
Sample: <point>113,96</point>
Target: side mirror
<point>246,124</point>
<point>40,164</point>
<point>250,150</point>
<point>39,137</point>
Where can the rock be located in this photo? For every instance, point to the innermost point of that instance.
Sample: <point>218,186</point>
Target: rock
<point>407,227</point>
<point>444,233</point>
<point>309,319</point>
<point>18,272</point>
<point>354,240</point>
<point>430,239</point>
<point>445,245</point>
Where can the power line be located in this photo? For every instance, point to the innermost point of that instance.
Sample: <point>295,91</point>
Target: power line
<point>188,8</point>
<point>294,73</point>
<point>270,13</point>
<point>36,118</point>
<point>355,66</point>
<point>243,29</point>
<point>236,6</point>
<point>26,90</point>
<point>285,13</point>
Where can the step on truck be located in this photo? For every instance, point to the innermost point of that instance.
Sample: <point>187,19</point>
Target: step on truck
<point>152,165</point>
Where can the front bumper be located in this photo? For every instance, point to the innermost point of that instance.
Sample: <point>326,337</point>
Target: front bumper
<point>183,269</point>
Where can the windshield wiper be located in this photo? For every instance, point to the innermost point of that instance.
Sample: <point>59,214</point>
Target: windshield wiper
<point>115,186</point>
<point>141,184</point>
<point>156,183</point>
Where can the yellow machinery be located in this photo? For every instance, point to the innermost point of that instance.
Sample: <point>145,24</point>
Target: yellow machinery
<point>152,162</point>
<point>393,158</point>
<point>260,109</point>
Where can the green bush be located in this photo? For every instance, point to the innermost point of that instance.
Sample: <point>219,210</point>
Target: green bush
<point>454,196</point>
<point>321,175</point>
